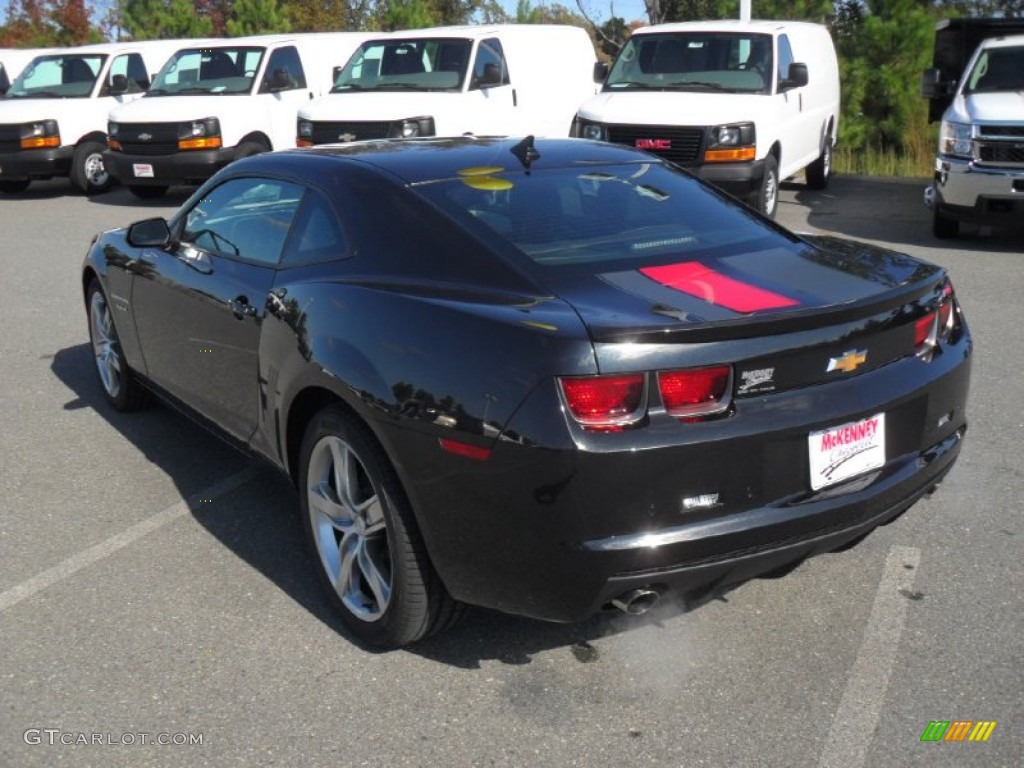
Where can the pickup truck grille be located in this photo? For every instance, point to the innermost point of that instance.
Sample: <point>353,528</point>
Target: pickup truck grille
<point>148,138</point>
<point>682,146</point>
<point>332,133</point>
<point>1001,153</point>
<point>1000,145</point>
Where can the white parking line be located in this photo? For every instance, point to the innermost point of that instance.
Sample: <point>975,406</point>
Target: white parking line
<point>861,704</point>
<point>97,552</point>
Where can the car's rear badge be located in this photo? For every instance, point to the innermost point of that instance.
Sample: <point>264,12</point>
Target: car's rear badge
<point>755,381</point>
<point>701,281</point>
<point>848,361</point>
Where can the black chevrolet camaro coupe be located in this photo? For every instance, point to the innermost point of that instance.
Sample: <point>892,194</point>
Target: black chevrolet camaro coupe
<point>545,377</point>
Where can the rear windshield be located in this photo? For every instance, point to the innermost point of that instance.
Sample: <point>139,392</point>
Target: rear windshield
<point>615,215</point>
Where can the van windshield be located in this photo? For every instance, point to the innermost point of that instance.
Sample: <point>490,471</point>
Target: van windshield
<point>60,76</point>
<point>997,69</point>
<point>695,61</point>
<point>417,64</point>
<point>224,70</point>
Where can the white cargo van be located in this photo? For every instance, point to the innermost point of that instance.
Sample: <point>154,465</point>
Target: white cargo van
<point>215,103</point>
<point>741,104</point>
<point>448,81</point>
<point>979,167</point>
<point>13,61</point>
<point>53,119</point>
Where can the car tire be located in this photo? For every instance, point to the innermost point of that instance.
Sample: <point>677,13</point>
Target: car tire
<point>364,537</point>
<point>88,174</point>
<point>147,192</point>
<point>120,386</point>
<point>766,199</point>
<point>944,227</point>
<point>819,172</point>
<point>14,187</point>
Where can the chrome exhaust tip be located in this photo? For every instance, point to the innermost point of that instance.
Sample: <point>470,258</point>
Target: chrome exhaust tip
<point>637,601</point>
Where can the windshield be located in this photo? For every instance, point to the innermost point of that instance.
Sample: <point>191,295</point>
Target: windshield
<point>997,69</point>
<point>425,64</point>
<point>695,61</point>
<point>60,76</point>
<point>614,215</point>
<point>209,71</point>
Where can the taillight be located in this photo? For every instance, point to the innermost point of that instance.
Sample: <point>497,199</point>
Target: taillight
<point>606,403</point>
<point>695,393</point>
<point>936,326</point>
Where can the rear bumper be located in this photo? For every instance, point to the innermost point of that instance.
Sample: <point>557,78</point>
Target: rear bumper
<point>191,167</point>
<point>29,164</point>
<point>968,192</point>
<point>556,529</point>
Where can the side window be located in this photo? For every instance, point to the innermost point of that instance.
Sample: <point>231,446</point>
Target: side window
<point>490,68</point>
<point>785,57</point>
<point>284,62</point>
<point>316,235</point>
<point>244,218</point>
<point>133,69</point>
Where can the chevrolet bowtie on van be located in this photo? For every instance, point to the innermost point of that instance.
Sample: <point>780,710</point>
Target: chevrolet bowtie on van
<point>214,103</point>
<point>53,119</point>
<point>449,81</point>
<point>741,104</point>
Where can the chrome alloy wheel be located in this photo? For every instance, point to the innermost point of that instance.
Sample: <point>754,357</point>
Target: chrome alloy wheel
<point>95,171</point>
<point>105,346</point>
<point>349,528</point>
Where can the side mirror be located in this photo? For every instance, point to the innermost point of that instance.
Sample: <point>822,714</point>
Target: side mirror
<point>600,71</point>
<point>280,80</point>
<point>118,85</point>
<point>931,83</point>
<point>491,76</point>
<point>149,233</point>
<point>797,76</point>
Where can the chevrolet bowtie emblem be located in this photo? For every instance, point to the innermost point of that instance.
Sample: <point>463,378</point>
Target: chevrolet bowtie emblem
<point>346,137</point>
<point>847,362</point>
<point>145,136</point>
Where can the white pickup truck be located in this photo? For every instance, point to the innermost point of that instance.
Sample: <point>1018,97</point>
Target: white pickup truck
<point>979,167</point>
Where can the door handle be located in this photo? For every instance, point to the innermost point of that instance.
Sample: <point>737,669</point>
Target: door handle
<point>241,308</point>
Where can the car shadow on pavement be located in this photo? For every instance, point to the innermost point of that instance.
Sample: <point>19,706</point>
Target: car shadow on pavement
<point>258,523</point>
<point>886,210</point>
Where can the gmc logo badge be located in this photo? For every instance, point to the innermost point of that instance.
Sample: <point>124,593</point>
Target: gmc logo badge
<point>653,144</point>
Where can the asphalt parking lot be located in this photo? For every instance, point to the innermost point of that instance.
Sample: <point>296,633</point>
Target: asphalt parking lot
<point>154,586</point>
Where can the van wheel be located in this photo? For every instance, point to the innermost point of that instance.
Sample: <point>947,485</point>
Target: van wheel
<point>944,227</point>
<point>14,187</point>
<point>766,199</point>
<point>820,170</point>
<point>147,193</point>
<point>88,174</point>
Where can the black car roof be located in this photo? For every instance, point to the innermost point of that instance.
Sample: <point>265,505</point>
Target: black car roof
<point>420,160</point>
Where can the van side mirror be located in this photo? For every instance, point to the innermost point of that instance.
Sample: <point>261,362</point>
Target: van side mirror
<point>118,85</point>
<point>149,233</point>
<point>280,80</point>
<point>600,71</point>
<point>797,76</point>
<point>932,84</point>
<point>491,76</point>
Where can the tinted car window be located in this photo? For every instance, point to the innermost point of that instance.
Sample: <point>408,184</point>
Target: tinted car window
<point>490,59</point>
<point>133,68</point>
<point>285,60</point>
<point>626,214</point>
<point>316,235</point>
<point>785,57</point>
<point>244,218</point>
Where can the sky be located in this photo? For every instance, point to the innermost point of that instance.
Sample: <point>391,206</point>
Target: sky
<point>598,10</point>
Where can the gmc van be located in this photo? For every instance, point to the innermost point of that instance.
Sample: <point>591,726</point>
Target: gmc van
<point>741,104</point>
<point>507,79</point>
<point>214,103</point>
<point>53,119</point>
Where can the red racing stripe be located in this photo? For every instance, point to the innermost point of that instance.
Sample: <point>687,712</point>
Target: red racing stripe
<point>701,281</point>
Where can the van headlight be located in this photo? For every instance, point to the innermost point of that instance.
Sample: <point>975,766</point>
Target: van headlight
<point>199,134</point>
<point>955,139</point>
<point>729,143</point>
<point>413,127</point>
<point>592,131</point>
<point>40,135</point>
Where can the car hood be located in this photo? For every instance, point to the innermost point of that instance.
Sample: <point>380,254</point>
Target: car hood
<point>671,107</point>
<point>988,107</point>
<point>785,288</point>
<point>15,111</point>
<point>376,105</point>
<point>172,109</point>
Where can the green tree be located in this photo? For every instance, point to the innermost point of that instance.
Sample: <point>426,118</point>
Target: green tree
<point>257,17</point>
<point>163,20</point>
<point>408,14</point>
